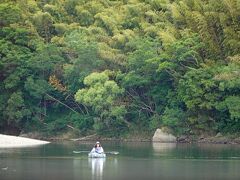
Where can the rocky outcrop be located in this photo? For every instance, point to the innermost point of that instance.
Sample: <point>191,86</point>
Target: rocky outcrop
<point>31,135</point>
<point>184,139</point>
<point>161,136</point>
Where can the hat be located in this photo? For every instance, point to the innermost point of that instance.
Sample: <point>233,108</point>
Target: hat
<point>97,142</point>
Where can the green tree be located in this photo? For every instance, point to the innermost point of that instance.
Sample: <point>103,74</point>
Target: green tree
<point>9,14</point>
<point>44,25</point>
<point>83,59</point>
<point>15,111</point>
<point>102,94</point>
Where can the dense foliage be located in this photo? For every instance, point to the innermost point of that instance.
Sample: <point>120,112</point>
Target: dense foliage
<point>118,66</point>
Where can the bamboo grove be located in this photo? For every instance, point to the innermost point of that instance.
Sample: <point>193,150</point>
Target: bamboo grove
<point>120,66</point>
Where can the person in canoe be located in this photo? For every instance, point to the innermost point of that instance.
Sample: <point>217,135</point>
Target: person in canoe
<point>97,148</point>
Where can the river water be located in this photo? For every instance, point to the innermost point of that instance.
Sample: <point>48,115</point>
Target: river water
<point>136,160</point>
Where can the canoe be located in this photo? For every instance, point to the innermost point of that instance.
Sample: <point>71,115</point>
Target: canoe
<point>96,155</point>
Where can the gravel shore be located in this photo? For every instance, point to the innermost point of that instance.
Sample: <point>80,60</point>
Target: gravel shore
<point>7,141</point>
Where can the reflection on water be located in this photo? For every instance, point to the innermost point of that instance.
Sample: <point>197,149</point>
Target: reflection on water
<point>97,166</point>
<point>164,161</point>
<point>163,149</point>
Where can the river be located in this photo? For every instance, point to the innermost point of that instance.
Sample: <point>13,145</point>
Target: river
<point>136,160</point>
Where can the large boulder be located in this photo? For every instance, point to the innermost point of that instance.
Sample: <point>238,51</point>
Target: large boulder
<point>161,136</point>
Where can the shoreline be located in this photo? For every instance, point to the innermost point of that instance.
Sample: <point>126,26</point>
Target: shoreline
<point>199,140</point>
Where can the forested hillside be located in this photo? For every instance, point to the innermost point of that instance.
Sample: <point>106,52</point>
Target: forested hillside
<point>120,66</point>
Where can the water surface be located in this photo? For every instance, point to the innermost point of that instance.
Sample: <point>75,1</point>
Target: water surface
<point>135,160</point>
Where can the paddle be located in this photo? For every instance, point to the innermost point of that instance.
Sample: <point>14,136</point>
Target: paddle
<point>112,152</point>
<point>77,152</point>
<point>109,152</point>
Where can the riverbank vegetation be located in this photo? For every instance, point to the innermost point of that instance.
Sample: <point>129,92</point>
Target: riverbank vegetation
<point>115,67</point>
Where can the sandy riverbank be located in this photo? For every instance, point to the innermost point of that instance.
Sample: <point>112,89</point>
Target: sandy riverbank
<point>7,141</point>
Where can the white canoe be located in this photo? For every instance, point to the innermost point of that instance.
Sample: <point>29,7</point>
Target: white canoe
<point>96,155</point>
